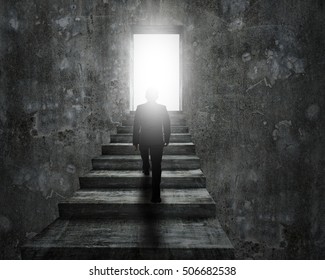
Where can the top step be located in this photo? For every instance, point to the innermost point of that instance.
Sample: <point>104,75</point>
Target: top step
<point>170,113</point>
<point>177,118</point>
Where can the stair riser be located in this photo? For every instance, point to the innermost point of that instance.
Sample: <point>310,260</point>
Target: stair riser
<point>136,211</point>
<point>136,182</point>
<point>173,122</point>
<point>174,129</point>
<point>120,138</point>
<point>172,114</point>
<point>99,164</point>
<point>129,150</point>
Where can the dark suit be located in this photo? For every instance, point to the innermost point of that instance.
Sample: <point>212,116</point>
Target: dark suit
<point>151,130</point>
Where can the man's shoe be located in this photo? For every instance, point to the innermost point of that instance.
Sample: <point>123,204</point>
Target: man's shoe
<point>156,200</point>
<point>146,172</point>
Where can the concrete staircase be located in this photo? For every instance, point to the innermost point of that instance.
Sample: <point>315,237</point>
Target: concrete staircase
<point>111,216</point>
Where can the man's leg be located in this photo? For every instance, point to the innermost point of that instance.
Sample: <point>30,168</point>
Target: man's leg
<point>156,156</point>
<point>144,150</point>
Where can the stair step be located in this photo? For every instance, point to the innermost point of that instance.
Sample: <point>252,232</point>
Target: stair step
<point>135,179</point>
<point>174,129</point>
<point>116,239</point>
<point>128,149</point>
<point>178,122</point>
<point>174,120</point>
<point>174,138</point>
<point>172,114</point>
<point>134,162</point>
<point>135,204</point>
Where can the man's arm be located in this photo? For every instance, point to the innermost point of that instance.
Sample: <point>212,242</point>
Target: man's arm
<point>136,129</point>
<point>166,124</point>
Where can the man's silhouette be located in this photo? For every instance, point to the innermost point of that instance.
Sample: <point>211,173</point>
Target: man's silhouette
<point>151,132</point>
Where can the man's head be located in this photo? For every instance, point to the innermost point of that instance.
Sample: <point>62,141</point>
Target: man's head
<point>152,94</point>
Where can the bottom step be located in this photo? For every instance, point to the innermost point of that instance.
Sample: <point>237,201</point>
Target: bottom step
<point>117,239</point>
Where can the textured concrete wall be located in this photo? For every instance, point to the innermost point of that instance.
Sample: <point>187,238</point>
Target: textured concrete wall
<point>62,91</point>
<point>257,96</point>
<point>253,82</point>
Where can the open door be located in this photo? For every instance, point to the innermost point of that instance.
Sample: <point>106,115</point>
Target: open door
<point>156,62</point>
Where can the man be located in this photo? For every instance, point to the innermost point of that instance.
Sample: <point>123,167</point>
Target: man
<point>151,132</point>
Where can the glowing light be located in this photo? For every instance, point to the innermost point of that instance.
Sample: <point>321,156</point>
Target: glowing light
<point>156,64</point>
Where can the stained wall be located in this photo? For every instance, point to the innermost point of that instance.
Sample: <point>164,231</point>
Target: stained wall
<point>253,95</point>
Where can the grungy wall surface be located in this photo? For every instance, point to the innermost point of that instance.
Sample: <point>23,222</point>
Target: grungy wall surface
<point>257,93</point>
<point>253,95</point>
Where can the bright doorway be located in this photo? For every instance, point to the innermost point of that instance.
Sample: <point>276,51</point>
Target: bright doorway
<point>156,63</point>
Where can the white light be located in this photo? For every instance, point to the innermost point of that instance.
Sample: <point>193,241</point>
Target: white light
<point>156,64</point>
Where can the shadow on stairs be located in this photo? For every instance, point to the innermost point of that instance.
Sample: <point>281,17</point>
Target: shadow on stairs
<point>111,216</point>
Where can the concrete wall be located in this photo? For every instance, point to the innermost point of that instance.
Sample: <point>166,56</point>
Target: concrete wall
<point>257,87</point>
<point>253,82</point>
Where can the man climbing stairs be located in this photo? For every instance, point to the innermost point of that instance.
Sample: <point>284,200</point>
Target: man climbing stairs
<point>111,216</point>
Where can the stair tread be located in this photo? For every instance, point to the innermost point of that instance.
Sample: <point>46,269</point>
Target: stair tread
<point>98,179</point>
<point>140,196</point>
<point>137,157</point>
<point>130,134</point>
<point>176,233</point>
<point>170,112</point>
<point>127,138</point>
<point>136,173</point>
<point>170,144</point>
<point>172,115</point>
<point>170,126</point>
<point>174,129</point>
<point>175,119</point>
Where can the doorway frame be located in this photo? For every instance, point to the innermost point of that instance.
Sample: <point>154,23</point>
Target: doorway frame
<point>157,29</point>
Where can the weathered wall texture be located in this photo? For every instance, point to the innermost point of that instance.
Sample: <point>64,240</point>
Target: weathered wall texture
<point>257,83</point>
<point>253,94</point>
